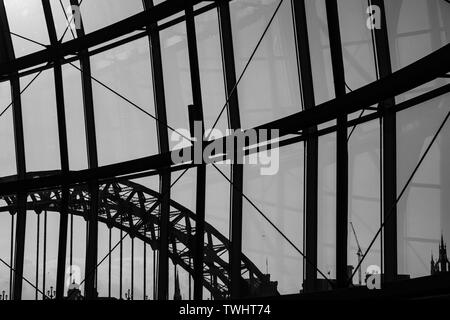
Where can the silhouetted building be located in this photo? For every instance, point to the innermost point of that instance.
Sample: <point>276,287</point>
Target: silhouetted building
<point>442,264</point>
<point>74,293</point>
<point>264,288</point>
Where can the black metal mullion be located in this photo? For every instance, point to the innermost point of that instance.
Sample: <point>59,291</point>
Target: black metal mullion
<point>312,147</point>
<point>36,293</point>
<point>163,145</point>
<point>144,291</point>
<point>64,154</point>
<point>92,221</point>
<point>201,169</point>
<point>98,37</point>
<point>11,256</point>
<point>44,267</point>
<point>132,268</point>
<point>7,56</point>
<point>121,258</point>
<point>237,170</point>
<point>389,152</point>
<point>341,145</point>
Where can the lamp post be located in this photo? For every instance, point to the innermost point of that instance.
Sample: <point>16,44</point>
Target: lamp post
<point>51,293</point>
<point>128,295</point>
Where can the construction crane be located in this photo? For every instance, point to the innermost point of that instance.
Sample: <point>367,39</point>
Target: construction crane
<point>359,253</point>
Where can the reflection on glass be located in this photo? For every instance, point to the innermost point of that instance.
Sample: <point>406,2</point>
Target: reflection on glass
<point>269,89</point>
<point>423,210</point>
<point>416,28</point>
<point>97,14</point>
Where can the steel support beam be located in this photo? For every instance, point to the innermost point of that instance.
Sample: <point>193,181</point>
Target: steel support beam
<point>64,154</point>
<point>408,78</point>
<point>91,142</point>
<point>237,170</point>
<point>163,144</point>
<point>8,55</point>
<point>92,245</point>
<point>98,37</point>
<point>312,150</point>
<point>201,169</point>
<point>19,246</point>
<point>389,152</point>
<point>62,244</point>
<point>337,62</point>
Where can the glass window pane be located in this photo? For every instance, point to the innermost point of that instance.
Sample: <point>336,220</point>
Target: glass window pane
<point>75,121</point>
<point>7,156</point>
<point>269,89</point>
<point>97,14</point>
<point>26,19</point>
<point>364,197</point>
<point>422,212</point>
<point>211,72</point>
<point>7,229</point>
<point>320,51</point>
<point>416,28</point>
<point>357,48</point>
<point>177,81</point>
<point>123,131</point>
<point>40,124</point>
<point>326,243</point>
<point>280,197</point>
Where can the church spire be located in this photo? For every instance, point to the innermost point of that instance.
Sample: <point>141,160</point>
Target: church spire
<point>432,263</point>
<point>442,264</point>
<point>177,293</point>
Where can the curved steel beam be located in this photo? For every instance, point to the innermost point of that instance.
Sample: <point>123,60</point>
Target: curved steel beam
<point>420,72</point>
<point>137,207</point>
<point>73,47</point>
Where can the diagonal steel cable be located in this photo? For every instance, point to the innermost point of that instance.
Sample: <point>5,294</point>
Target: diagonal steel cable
<point>22,91</point>
<point>245,68</point>
<point>273,225</point>
<point>26,280</point>
<point>119,95</point>
<point>27,39</point>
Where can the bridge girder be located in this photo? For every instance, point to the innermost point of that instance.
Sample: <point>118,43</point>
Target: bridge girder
<point>134,209</point>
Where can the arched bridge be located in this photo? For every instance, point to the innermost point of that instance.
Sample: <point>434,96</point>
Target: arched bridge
<point>134,209</point>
